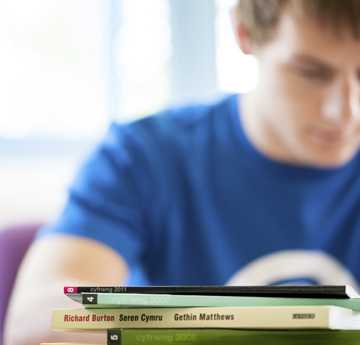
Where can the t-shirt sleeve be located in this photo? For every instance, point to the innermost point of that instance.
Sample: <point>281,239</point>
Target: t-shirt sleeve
<point>107,198</point>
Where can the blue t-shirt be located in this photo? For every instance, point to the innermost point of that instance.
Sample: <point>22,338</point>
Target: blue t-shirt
<point>186,199</point>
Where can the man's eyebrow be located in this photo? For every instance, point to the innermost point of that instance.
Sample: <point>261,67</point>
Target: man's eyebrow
<point>309,60</point>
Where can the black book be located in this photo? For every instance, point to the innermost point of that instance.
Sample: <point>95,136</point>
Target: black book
<point>318,291</point>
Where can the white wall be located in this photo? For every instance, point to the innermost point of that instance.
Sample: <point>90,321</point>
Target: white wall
<point>33,189</point>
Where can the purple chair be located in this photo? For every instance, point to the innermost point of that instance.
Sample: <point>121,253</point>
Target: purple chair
<point>14,242</point>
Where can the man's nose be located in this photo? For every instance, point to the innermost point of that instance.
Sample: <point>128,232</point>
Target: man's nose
<point>342,104</point>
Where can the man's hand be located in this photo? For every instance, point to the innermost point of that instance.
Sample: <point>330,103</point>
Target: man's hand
<point>51,263</point>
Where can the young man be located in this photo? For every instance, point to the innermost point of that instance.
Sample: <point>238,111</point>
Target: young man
<point>262,188</point>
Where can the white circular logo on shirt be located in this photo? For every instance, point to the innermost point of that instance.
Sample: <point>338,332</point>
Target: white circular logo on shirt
<point>293,266</point>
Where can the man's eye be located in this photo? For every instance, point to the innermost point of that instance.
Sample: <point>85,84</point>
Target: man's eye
<point>314,74</point>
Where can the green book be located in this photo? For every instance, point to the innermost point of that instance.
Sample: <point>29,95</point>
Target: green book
<point>213,336</point>
<point>230,337</point>
<point>126,300</point>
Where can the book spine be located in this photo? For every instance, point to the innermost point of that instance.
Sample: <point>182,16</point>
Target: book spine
<point>270,291</point>
<point>222,317</point>
<point>108,300</point>
<point>98,289</point>
<point>213,336</point>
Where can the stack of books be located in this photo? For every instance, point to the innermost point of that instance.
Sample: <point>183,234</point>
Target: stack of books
<point>215,314</point>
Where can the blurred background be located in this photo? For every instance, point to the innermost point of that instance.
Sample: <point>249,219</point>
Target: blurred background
<point>70,67</point>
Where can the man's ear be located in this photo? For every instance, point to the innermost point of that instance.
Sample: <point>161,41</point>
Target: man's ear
<point>243,38</point>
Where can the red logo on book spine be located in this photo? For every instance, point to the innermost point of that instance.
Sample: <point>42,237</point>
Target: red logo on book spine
<point>70,289</point>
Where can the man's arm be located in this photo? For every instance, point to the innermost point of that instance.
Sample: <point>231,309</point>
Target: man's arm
<point>51,263</point>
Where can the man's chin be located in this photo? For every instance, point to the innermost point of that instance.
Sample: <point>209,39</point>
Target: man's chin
<point>332,160</point>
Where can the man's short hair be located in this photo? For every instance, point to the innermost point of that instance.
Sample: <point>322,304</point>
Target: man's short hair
<point>259,17</point>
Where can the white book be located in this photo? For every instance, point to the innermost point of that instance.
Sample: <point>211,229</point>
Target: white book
<point>278,317</point>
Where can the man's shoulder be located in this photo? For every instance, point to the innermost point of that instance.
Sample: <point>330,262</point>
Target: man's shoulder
<point>179,120</point>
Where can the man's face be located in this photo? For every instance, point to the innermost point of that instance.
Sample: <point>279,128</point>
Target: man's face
<point>308,97</point>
